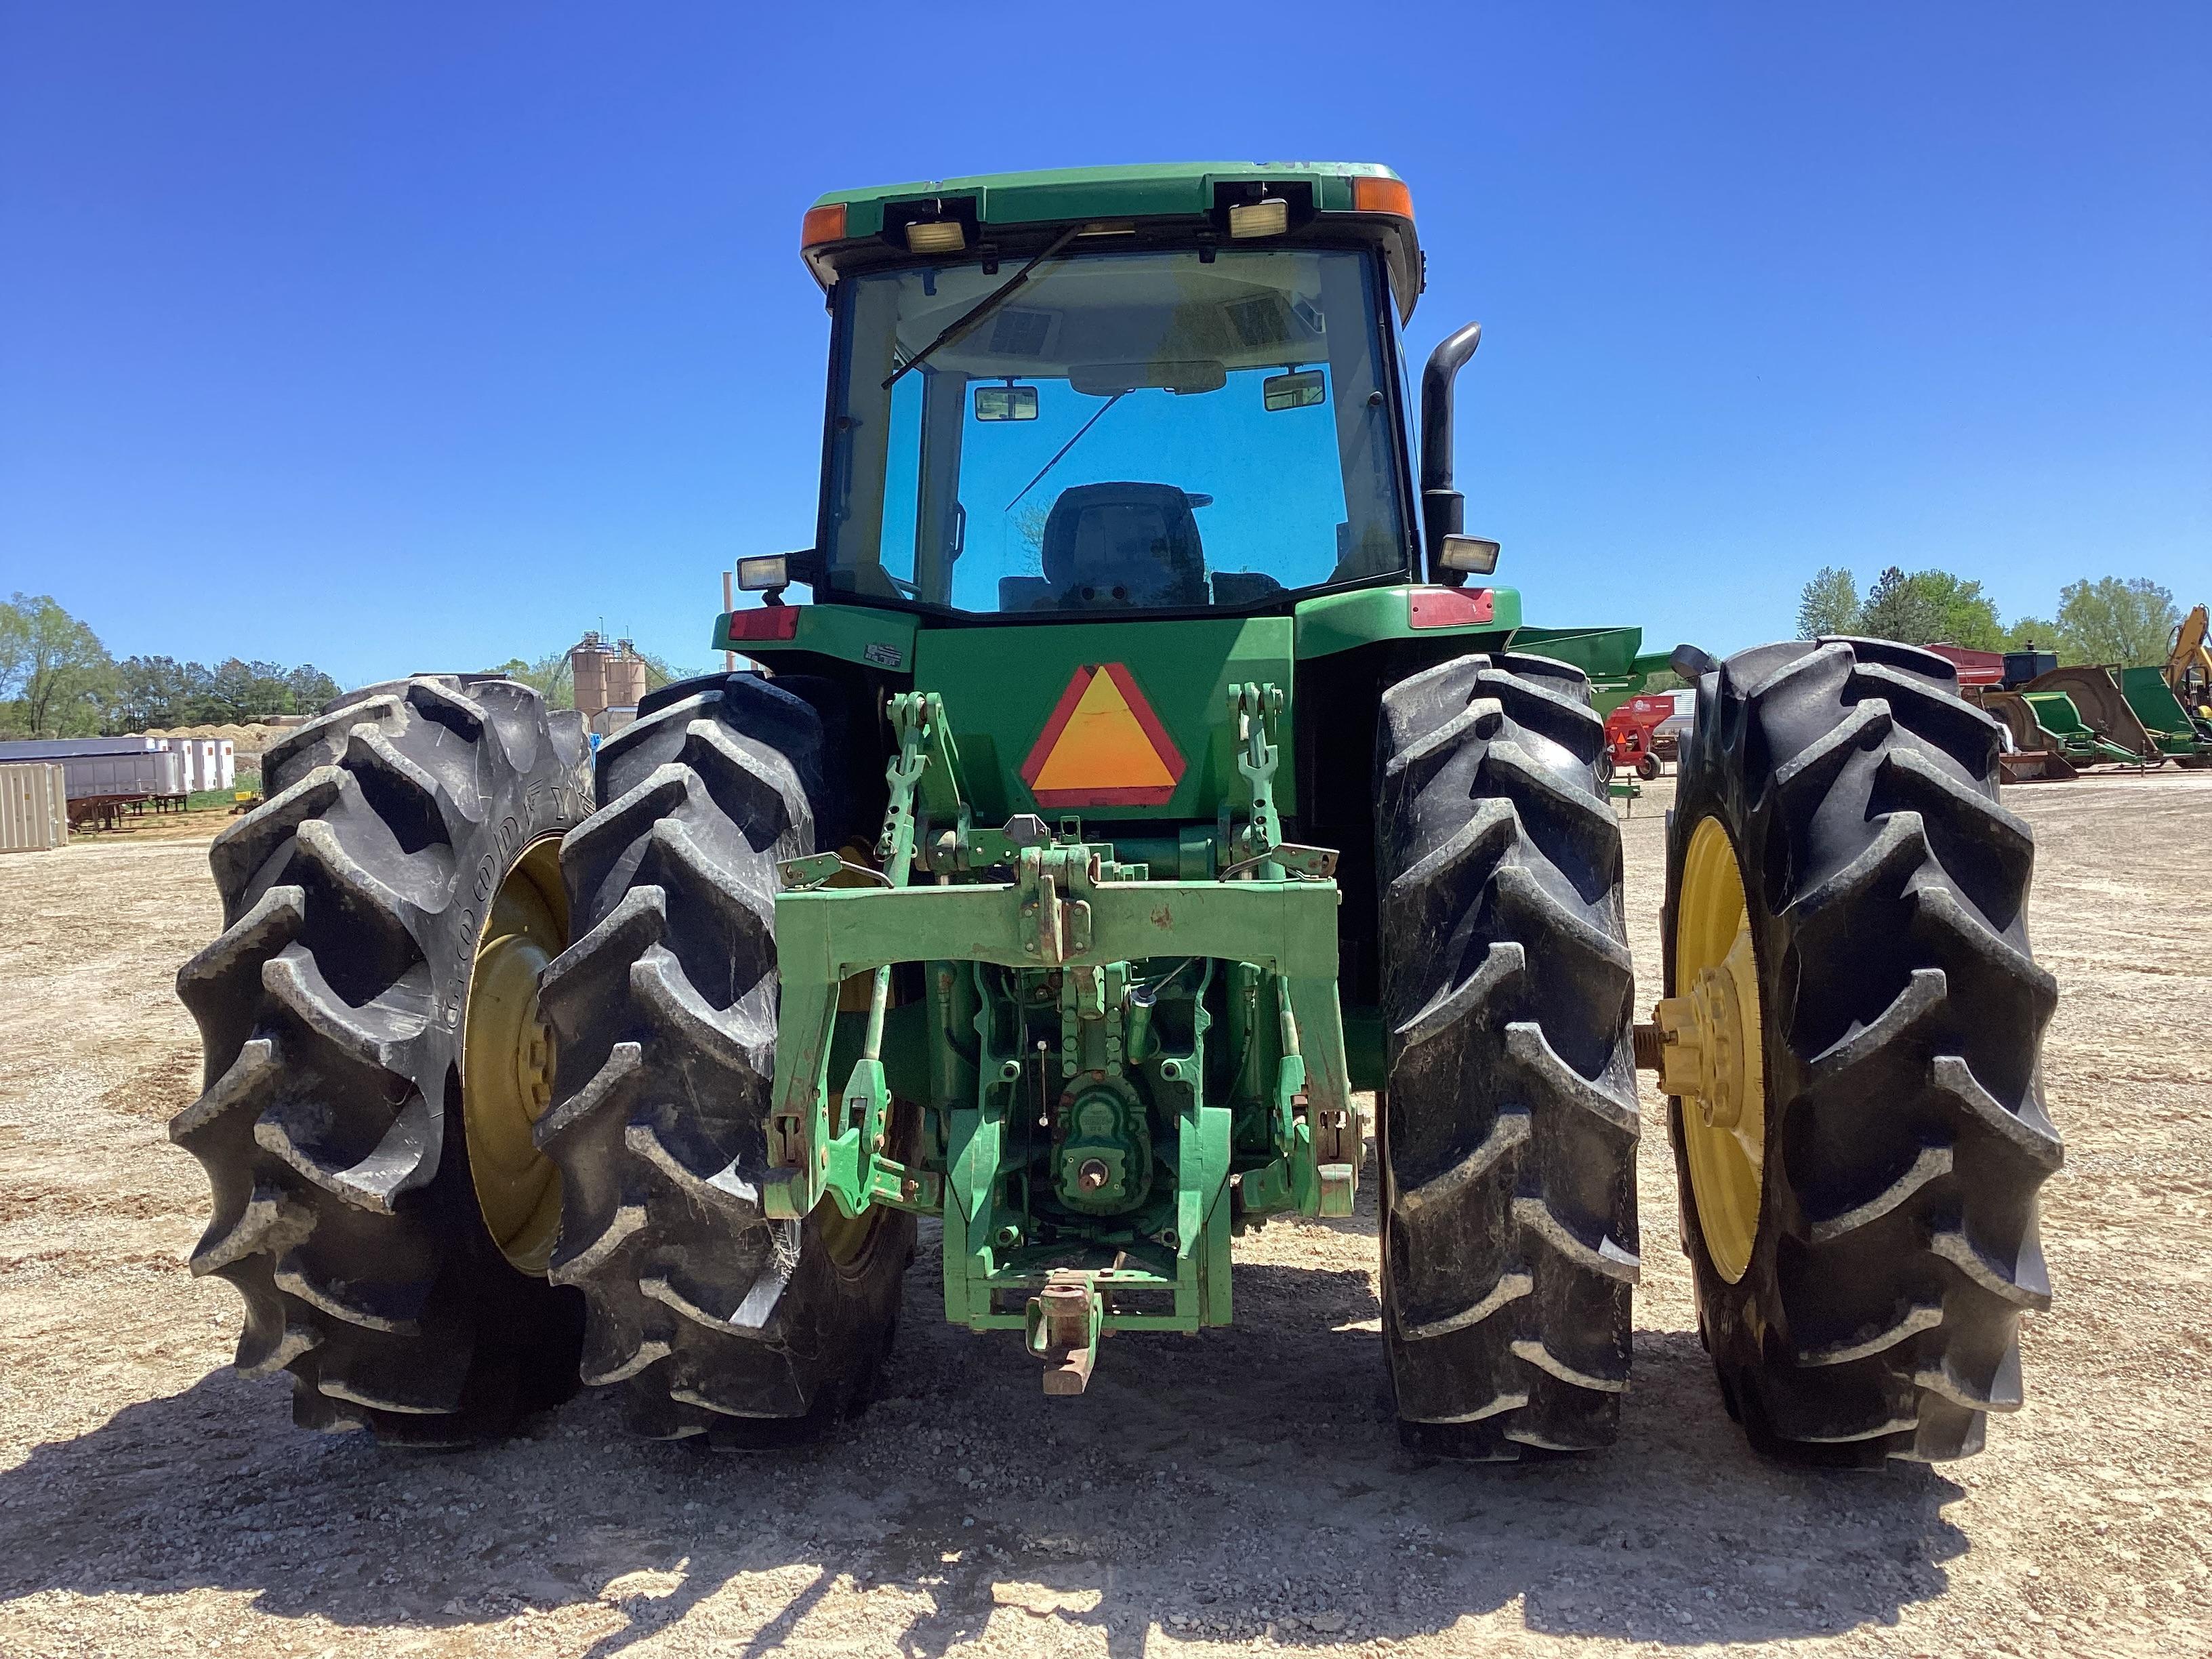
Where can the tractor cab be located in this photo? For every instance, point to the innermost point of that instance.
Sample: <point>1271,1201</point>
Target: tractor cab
<point>1172,430</point>
<point>1177,390</point>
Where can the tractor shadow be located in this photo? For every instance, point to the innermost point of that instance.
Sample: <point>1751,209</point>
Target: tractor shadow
<point>1218,1486</point>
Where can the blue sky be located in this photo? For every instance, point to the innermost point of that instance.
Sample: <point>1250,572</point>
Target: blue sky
<point>394,336</point>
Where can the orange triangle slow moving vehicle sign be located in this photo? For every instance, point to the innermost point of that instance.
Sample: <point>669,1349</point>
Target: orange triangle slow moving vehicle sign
<point>1103,746</point>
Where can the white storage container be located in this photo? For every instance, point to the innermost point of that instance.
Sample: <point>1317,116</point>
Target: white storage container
<point>34,808</point>
<point>203,760</point>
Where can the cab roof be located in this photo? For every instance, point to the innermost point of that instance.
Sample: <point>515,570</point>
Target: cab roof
<point>1155,194</point>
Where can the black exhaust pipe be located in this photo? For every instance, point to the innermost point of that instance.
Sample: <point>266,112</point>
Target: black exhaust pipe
<point>1443,508</point>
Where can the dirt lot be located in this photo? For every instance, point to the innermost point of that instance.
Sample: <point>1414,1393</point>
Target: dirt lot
<point>1241,1489</point>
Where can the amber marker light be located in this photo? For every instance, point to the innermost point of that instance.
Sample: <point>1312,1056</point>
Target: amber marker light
<point>823,224</point>
<point>1388,196</point>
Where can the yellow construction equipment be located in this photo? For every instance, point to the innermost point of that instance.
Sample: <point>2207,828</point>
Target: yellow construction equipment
<point>2188,666</point>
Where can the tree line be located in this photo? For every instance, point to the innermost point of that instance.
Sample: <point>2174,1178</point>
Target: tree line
<point>57,680</point>
<point>2106,621</point>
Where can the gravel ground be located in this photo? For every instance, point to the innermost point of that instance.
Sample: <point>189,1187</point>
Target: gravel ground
<point>1239,1489</point>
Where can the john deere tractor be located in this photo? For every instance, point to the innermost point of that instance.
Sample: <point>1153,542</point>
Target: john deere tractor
<point>1154,780</point>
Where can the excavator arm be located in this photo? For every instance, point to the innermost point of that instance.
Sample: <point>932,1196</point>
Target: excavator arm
<point>2189,664</point>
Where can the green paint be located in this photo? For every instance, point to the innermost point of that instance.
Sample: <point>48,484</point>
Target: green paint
<point>1076,982</point>
<point>1001,684</point>
<point>1362,1047</point>
<point>1123,192</point>
<point>2162,712</point>
<point>1330,623</point>
<point>841,632</point>
<point>2075,738</point>
<point>823,934</point>
<point>1608,655</point>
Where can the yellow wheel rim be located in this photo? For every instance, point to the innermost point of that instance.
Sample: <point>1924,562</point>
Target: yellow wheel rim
<point>846,1238</point>
<point>506,1059</point>
<point>1712,1059</point>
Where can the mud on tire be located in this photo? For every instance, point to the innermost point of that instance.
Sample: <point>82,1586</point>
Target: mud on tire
<point>330,1012</point>
<point>1896,1245</point>
<point>717,1319</point>
<point>1507,1126</point>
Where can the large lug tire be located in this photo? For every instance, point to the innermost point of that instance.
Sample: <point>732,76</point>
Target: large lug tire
<point>1889,1233</point>
<point>718,1320</point>
<point>1509,1123</point>
<point>331,1013</point>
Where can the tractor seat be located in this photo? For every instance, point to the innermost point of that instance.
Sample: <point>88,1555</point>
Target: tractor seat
<point>1114,545</point>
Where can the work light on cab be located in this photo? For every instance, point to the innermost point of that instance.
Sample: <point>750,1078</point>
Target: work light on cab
<point>935,236</point>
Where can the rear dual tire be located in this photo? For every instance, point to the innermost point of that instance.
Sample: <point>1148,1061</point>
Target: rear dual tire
<point>331,1012</point>
<point>715,1319</point>
<point>1507,1122</point>
<point>1860,1290</point>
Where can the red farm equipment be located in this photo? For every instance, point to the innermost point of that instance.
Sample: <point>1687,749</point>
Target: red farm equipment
<point>1634,735</point>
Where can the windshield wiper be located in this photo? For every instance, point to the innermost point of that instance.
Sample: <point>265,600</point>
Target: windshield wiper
<point>983,307</point>
<point>1064,448</point>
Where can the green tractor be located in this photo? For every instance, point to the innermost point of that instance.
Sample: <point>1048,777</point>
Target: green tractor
<point>1151,782</point>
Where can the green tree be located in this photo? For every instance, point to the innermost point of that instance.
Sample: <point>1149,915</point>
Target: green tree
<point>151,693</point>
<point>1898,608</point>
<point>548,676</point>
<point>1965,615</point>
<point>238,691</point>
<point>1829,604</point>
<point>53,667</point>
<point>155,693</point>
<point>1920,608</point>
<point>2112,621</point>
<point>311,689</point>
<point>15,649</point>
<point>2032,632</point>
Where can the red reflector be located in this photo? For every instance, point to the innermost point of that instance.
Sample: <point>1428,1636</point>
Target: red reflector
<point>1382,196</point>
<point>770,621</point>
<point>1449,607</point>
<point>823,224</point>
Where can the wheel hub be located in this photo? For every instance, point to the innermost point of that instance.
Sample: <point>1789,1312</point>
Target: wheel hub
<point>1707,1039</point>
<point>1711,1054</point>
<point>507,1054</point>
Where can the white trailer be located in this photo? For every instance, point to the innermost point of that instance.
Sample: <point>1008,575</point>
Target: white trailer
<point>63,748</point>
<point>149,774</point>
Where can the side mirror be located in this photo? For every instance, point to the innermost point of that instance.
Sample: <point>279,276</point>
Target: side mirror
<point>1692,664</point>
<point>1468,556</point>
<point>1441,506</point>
